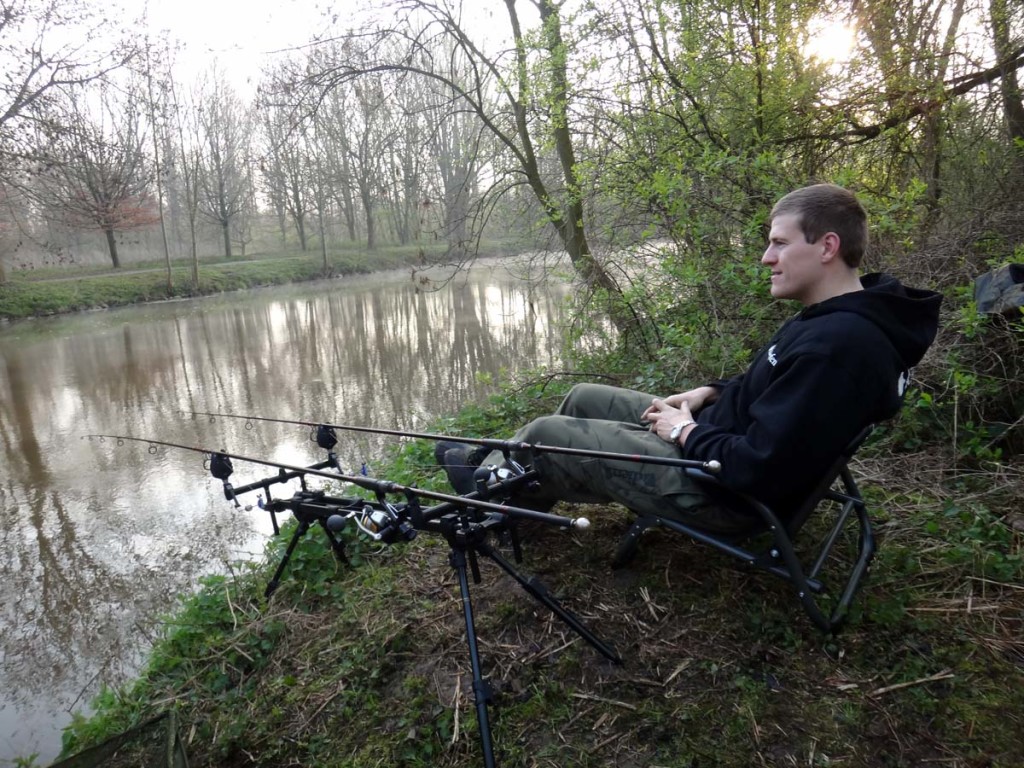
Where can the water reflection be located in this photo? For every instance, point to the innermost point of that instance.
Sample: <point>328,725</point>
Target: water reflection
<point>96,540</point>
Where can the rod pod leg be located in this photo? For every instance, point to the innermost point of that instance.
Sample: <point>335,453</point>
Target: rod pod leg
<point>336,546</point>
<point>540,593</point>
<point>300,531</point>
<point>481,690</point>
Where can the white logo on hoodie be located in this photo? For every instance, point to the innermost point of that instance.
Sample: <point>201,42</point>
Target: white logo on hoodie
<point>771,355</point>
<point>901,384</point>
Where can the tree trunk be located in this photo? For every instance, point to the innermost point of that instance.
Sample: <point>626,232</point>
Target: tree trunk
<point>371,233</point>
<point>567,218</point>
<point>299,215</point>
<point>346,202</point>
<point>1009,88</point>
<point>350,217</point>
<point>194,244</point>
<point>112,247</point>
<point>158,177</point>
<point>323,239</point>
<point>226,227</point>
<point>934,122</point>
<point>300,227</point>
<point>282,226</point>
<point>456,210</point>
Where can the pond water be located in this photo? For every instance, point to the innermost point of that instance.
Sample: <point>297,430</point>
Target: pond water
<point>97,540</point>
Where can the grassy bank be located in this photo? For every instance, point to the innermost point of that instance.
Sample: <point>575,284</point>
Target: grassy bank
<point>368,666</point>
<point>52,291</point>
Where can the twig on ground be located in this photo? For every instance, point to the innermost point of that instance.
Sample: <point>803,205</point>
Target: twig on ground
<point>945,674</point>
<point>613,702</point>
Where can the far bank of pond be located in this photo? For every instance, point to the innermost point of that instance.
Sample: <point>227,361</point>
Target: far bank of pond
<point>52,291</point>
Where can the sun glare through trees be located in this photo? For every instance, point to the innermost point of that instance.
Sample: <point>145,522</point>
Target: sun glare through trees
<point>830,41</point>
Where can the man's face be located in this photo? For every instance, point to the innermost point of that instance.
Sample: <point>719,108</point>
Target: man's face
<point>796,265</point>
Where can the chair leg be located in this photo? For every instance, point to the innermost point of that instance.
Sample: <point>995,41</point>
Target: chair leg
<point>627,545</point>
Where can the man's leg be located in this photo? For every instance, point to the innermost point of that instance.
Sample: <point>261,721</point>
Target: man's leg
<point>646,489</point>
<point>599,401</point>
<point>601,418</point>
<point>585,403</point>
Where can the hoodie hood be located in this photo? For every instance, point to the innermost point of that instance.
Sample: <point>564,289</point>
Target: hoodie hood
<point>909,317</point>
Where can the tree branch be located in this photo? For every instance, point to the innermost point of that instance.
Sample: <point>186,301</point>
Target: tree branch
<point>957,87</point>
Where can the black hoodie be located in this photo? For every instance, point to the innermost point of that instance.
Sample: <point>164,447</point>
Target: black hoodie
<point>827,373</point>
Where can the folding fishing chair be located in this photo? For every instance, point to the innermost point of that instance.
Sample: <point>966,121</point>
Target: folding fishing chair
<point>778,555</point>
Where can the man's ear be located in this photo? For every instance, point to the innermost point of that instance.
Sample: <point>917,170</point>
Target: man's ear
<point>830,242</point>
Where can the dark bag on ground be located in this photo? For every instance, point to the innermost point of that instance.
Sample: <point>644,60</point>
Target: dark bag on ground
<point>1001,291</point>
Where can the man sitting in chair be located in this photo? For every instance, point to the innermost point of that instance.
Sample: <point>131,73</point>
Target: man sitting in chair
<point>840,364</point>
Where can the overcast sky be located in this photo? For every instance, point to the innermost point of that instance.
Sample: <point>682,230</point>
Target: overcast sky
<point>246,35</point>
<point>241,35</point>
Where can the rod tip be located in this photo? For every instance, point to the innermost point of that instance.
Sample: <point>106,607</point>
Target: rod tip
<point>581,523</point>
<point>714,467</point>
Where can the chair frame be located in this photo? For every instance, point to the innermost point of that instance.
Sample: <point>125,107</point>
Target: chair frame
<point>779,557</point>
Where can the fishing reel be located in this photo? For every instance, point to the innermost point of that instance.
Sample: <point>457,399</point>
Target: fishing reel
<point>384,523</point>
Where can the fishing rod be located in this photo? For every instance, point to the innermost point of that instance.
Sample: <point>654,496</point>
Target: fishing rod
<point>220,467</point>
<point>505,446</point>
<point>457,518</point>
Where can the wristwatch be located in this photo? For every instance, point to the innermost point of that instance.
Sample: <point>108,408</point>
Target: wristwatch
<point>677,430</point>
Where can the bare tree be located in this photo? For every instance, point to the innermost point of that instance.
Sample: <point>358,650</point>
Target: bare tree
<point>333,130</point>
<point>40,66</point>
<point>243,224</point>
<point>158,87</point>
<point>455,142</point>
<point>97,171</point>
<point>225,177</point>
<point>10,236</point>
<point>528,111</point>
<point>369,132</point>
<point>285,167</point>
<point>406,164</point>
<point>185,166</point>
<point>316,149</point>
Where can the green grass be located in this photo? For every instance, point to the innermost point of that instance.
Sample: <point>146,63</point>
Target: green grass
<point>368,666</point>
<point>48,291</point>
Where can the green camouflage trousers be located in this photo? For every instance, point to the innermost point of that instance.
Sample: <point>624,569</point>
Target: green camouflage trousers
<point>602,418</point>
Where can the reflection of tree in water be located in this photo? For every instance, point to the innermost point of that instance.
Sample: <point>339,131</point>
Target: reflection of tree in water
<point>28,453</point>
<point>471,350</point>
<point>56,637</point>
<point>55,579</point>
<point>96,540</point>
